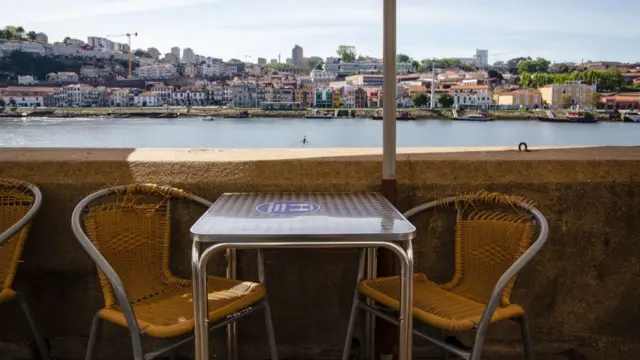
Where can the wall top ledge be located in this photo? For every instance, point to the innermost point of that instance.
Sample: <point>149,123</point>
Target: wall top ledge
<point>318,154</point>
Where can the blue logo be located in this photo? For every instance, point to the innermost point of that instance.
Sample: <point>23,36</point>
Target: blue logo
<point>288,207</point>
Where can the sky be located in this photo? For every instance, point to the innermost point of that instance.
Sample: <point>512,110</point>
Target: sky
<point>559,30</point>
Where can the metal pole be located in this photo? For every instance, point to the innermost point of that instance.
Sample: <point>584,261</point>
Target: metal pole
<point>389,99</point>
<point>386,333</point>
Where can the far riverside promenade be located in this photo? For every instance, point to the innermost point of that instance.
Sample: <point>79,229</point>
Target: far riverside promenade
<point>419,114</point>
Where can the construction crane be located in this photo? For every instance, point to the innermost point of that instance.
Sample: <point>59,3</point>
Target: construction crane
<point>128,35</point>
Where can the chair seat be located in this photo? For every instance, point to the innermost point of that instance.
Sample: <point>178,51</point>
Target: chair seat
<point>433,305</point>
<point>171,313</point>
<point>6,294</point>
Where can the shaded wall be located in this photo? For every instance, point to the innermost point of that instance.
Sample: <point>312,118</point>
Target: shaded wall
<point>581,289</point>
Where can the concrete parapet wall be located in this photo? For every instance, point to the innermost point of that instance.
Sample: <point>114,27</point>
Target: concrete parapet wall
<point>581,290</point>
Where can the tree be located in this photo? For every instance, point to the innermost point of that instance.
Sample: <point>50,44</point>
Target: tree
<point>13,103</point>
<point>2,103</point>
<point>417,67</point>
<point>494,74</point>
<point>347,53</point>
<point>319,65</point>
<point>445,100</point>
<point>313,63</point>
<point>512,64</point>
<point>420,99</point>
<point>31,35</point>
<point>594,100</point>
<point>402,58</point>
<point>20,32</point>
<point>566,100</point>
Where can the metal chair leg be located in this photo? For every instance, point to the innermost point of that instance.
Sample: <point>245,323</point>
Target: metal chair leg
<point>346,352</point>
<point>267,310</point>
<point>42,345</point>
<point>93,336</point>
<point>526,337</point>
<point>445,353</point>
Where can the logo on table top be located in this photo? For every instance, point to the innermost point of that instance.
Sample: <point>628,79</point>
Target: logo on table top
<point>288,207</point>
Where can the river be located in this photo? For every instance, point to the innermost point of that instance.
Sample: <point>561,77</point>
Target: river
<point>278,133</point>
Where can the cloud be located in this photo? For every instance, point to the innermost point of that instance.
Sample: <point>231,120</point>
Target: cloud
<point>46,11</point>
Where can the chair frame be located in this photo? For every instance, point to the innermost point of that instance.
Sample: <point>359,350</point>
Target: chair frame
<point>120,290</point>
<point>5,236</point>
<point>494,300</point>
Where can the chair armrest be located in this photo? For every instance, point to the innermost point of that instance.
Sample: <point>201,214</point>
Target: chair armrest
<point>26,219</point>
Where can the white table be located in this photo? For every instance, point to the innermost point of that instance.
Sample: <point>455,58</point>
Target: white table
<point>364,221</point>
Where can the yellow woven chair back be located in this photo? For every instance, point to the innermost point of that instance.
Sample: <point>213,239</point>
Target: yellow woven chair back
<point>134,237</point>
<point>15,201</point>
<point>487,243</point>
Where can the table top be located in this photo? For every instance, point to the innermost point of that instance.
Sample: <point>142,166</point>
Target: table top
<point>237,217</point>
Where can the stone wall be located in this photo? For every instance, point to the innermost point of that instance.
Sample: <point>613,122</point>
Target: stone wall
<point>582,289</point>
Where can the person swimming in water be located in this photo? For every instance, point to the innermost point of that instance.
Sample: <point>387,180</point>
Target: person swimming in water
<point>304,140</point>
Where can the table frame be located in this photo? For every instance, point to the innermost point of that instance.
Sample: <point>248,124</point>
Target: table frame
<point>199,269</point>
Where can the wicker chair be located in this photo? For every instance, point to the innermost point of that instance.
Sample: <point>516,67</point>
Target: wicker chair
<point>19,202</point>
<point>129,239</point>
<point>493,242</point>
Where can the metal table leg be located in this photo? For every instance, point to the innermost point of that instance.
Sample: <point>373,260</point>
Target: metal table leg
<point>200,284</point>
<point>370,319</point>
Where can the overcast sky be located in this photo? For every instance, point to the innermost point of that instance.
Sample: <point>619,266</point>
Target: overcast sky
<point>560,30</point>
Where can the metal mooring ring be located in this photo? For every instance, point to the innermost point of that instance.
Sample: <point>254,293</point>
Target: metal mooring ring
<point>526,148</point>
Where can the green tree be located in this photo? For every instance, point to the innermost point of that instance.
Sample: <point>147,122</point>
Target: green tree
<point>420,99</point>
<point>566,100</point>
<point>2,103</point>
<point>66,38</point>
<point>512,64</point>
<point>403,58</point>
<point>417,67</point>
<point>445,100</point>
<point>594,100</point>
<point>347,53</point>
<point>525,80</point>
<point>4,34</point>
<point>319,65</point>
<point>313,63</point>
<point>20,32</point>
<point>13,103</point>
<point>31,35</point>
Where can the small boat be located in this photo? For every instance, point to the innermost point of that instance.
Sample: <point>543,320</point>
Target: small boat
<point>575,117</point>
<point>632,116</point>
<point>164,116</point>
<point>404,116</point>
<point>316,114</point>
<point>209,118</point>
<point>474,117</point>
<point>238,115</point>
<point>121,116</point>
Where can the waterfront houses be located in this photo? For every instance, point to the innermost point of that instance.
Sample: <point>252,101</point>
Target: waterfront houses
<point>323,97</point>
<point>579,93</point>
<point>529,98</point>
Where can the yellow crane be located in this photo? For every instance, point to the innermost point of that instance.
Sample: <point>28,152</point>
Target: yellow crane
<point>128,35</point>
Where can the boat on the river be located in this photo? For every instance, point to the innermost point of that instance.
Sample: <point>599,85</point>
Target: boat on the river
<point>404,116</point>
<point>317,114</point>
<point>120,116</point>
<point>632,116</point>
<point>164,116</point>
<point>575,117</point>
<point>474,117</point>
<point>238,115</point>
<point>209,118</point>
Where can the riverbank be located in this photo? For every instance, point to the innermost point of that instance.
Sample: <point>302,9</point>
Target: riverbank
<point>420,114</point>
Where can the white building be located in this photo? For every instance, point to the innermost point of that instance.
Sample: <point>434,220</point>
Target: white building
<point>24,46</point>
<point>164,93</point>
<point>69,77</point>
<point>22,99</point>
<point>188,56</point>
<point>157,71</point>
<point>171,58</point>
<point>244,95</point>
<point>471,95</point>
<point>482,58</point>
<point>74,42</point>
<point>26,80</point>
<point>80,95</point>
<point>336,66</point>
<point>121,98</point>
<point>146,99</point>
<point>42,37</point>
